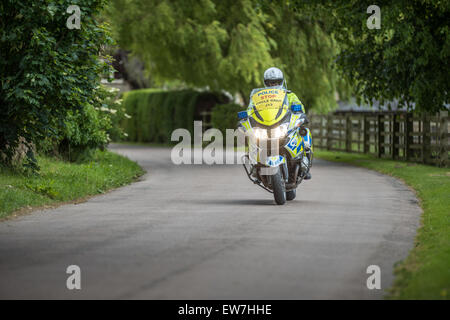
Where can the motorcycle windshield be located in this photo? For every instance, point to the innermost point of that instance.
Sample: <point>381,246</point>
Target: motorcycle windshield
<point>269,105</point>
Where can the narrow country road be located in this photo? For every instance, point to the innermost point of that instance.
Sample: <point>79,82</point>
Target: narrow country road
<point>205,232</point>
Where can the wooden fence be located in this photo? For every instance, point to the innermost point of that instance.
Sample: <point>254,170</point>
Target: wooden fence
<point>394,135</point>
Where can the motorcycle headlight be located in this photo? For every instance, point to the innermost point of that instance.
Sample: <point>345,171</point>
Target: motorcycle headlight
<point>260,133</point>
<point>280,131</point>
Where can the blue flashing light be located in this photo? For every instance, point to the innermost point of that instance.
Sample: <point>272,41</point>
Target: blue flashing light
<point>242,115</point>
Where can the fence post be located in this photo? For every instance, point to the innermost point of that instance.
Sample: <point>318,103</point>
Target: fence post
<point>348,133</point>
<point>380,135</point>
<point>395,134</point>
<point>329,131</point>
<point>366,137</point>
<point>426,138</point>
<point>408,138</point>
<point>323,129</point>
<point>443,138</point>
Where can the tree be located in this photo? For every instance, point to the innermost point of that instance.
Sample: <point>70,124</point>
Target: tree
<point>306,52</point>
<point>407,59</point>
<point>46,69</point>
<point>130,68</point>
<point>227,44</point>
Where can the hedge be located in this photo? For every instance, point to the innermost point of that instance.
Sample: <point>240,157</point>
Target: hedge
<point>156,113</point>
<point>225,116</point>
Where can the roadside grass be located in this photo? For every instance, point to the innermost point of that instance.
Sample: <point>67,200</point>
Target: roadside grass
<point>425,273</point>
<point>59,181</point>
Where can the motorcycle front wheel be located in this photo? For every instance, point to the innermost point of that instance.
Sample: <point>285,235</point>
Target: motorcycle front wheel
<point>279,189</point>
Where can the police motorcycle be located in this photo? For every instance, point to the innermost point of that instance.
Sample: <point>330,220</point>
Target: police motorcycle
<point>278,145</point>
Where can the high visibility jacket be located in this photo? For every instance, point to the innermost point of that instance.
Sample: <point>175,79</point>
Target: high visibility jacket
<point>294,100</point>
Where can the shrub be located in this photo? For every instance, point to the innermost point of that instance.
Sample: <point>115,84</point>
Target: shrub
<point>113,109</point>
<point>46,70</point>
<point>87,129</point>
<point>84,131</point>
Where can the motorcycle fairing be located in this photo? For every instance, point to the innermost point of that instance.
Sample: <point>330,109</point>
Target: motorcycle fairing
<point>269,106</point>
<point>295,144</point>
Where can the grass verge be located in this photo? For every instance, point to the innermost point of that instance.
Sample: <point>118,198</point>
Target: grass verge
<point>425,273</point>
<point>59,182</point>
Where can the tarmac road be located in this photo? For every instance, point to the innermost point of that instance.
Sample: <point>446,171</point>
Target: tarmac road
<point>205,232</point>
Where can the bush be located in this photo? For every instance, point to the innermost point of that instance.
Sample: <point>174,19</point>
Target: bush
<point>87,129</point>
<point>113,109</point>
<point>46,69</point>
<point>84,132</point>
<point>225,116</point>
<point>155,113</point>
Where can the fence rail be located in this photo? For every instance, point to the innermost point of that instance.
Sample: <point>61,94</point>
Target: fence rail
<point>394,135</point>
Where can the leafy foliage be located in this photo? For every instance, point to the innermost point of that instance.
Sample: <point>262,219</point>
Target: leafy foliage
<point>407,59</point>
<point>87,129</point>
<point>225,117</point>
<point>84,131</point>
<point>112,108</point>
<point>227,44</point>
<point>46,70</point>
<point>306,53</point>
<point>154,113</point>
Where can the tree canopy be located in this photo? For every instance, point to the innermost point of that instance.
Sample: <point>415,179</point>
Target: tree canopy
<point>407,59</point>
<point>227,44</point>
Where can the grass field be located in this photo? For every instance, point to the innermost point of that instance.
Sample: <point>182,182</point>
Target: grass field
<point>425,273</point>
<point>60,182</point>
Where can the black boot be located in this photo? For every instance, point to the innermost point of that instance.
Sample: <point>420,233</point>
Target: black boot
<point>307,176</point>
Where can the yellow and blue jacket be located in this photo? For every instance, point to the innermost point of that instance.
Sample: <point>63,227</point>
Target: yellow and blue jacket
<point>294,100</point>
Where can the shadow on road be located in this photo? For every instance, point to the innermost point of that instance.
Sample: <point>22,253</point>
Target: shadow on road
<point>255,202</point>
<point>250,202</point>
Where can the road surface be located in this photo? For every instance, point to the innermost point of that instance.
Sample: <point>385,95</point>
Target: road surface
<point>205,232</point>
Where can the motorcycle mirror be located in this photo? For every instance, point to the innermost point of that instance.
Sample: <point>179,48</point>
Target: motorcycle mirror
<point>299,122</point>
<point>304,118</point>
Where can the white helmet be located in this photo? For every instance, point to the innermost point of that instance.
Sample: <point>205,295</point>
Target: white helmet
<point>273,77</point>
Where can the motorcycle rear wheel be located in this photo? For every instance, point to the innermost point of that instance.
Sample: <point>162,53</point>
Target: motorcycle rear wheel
<point>279,189</point>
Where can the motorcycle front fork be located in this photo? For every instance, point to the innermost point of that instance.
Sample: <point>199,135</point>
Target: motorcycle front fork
<point>306,161</point>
